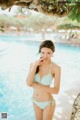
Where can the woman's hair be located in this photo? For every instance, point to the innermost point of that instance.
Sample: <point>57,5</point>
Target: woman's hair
<point>47,44</point>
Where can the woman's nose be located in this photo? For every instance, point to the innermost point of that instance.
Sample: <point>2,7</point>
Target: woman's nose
<point>45,56</point>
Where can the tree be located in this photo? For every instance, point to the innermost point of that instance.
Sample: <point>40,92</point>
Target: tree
<point>70,8</point>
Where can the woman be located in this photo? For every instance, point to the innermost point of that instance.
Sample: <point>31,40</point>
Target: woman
<point>40,76</point>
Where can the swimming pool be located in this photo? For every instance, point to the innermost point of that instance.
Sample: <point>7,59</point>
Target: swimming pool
<point>15,57</point>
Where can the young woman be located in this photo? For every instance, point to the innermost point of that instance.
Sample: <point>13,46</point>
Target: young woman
<point>42,72</point>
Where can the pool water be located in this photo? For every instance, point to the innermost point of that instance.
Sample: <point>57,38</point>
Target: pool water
<point>15,57</point>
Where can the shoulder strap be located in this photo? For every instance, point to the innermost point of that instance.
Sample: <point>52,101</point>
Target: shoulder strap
<point>50,67</point>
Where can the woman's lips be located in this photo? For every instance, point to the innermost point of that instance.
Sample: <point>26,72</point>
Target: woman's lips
<point>41,60</point>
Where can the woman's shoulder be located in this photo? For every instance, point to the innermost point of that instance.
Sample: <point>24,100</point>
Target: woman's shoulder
<point>55,66</point>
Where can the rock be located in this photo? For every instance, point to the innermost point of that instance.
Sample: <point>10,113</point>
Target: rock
<point>76,109</point>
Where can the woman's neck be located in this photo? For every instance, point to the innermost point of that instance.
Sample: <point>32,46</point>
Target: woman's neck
<point>46,64</point>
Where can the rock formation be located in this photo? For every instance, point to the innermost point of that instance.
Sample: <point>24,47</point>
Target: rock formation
<point>76,109</point>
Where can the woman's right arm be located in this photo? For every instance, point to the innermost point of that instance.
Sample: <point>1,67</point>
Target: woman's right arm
<point>31,74</point>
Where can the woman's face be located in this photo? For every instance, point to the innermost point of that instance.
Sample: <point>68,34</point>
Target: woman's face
<point>46,53</point>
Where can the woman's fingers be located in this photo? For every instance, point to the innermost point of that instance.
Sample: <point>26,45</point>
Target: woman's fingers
<point>41,59</point>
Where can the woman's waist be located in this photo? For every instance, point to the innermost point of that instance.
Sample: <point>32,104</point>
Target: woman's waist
<point>42,96</point>
<point>41,93</point>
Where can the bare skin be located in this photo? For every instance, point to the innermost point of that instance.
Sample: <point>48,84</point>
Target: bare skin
<point>41,92</point>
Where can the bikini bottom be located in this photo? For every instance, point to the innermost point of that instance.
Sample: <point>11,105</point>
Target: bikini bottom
<point>43,105</point>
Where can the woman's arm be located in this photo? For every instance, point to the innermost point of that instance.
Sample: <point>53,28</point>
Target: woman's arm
<point>31,74</point>
<point>56,87</point>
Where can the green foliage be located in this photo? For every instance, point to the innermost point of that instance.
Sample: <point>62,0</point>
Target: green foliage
<point>62,8</point>
<point>6,21</point>
<point>68,26</point>
<point>36,22</point>
<point>75,13</point>
<point>29,22</point>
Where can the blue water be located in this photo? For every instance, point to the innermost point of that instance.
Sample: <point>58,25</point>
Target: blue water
<point>15,57</point>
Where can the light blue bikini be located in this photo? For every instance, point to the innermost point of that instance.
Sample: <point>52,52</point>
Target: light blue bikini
<point>46,81</point>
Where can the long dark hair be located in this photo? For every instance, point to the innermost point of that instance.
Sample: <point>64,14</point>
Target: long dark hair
<point>47,44</point>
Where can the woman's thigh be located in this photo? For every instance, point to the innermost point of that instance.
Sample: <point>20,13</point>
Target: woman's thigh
<point>48,112</point>
<point>38,112</point>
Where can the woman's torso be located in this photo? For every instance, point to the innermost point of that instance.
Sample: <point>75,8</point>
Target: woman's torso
<point>45,80</point>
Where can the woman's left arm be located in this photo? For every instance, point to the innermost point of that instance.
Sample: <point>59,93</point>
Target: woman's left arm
<point>56,88</point>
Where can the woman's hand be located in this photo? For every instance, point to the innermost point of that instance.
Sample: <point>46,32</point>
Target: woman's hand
<point>37,85</point>
<point>39,62</point>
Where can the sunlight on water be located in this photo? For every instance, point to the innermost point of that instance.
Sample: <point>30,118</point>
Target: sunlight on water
<point>15,57</point>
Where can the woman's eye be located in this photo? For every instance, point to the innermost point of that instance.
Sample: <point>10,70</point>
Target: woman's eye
<point>42,53</point>
<point>49,53</point>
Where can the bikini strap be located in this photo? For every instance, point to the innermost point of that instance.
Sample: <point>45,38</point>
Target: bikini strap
<point>50,67</point>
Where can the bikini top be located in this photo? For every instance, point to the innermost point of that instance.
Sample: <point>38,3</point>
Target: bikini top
<point>45,80</point>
